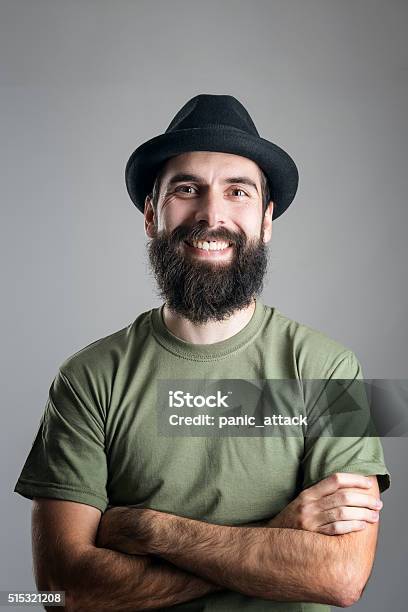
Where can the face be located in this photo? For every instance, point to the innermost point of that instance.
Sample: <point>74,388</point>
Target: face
<point>208,234</point>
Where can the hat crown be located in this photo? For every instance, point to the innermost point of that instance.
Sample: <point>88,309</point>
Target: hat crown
<point>213,110</point>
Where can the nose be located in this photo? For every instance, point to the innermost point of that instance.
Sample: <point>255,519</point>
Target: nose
<point>210,208</point>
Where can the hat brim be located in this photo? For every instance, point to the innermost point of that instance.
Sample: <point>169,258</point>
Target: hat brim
<point>279,168</point>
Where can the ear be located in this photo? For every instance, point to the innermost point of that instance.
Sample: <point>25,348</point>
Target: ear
<point>150,218</point>
<point>267,222</point>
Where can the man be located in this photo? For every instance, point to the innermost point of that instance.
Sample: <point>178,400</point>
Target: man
<point>126,518</point>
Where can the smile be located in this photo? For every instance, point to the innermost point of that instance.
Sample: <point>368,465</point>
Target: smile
<point>213,248</point>
<point>210,245</point>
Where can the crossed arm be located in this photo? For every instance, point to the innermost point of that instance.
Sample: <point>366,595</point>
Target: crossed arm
<point>147,559</point>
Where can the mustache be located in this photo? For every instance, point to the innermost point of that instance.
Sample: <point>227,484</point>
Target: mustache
<point>201,232</point>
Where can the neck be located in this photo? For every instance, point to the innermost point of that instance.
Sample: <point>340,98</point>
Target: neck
<point>210,332</point>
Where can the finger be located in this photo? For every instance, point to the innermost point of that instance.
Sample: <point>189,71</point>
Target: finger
<point>349,498</point>
<point>339,480</point>
<point>347,513</point>
<point>341,527</point>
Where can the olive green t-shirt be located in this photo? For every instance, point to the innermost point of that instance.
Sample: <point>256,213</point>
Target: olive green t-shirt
<point>98,441</point>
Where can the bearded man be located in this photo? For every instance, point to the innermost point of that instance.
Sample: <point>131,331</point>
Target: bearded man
<point>126,518</point>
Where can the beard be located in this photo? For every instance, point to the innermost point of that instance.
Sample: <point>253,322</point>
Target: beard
<point>203,291</point>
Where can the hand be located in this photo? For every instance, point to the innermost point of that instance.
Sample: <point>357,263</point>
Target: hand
<point>126,529</point>
<point>332,506</point>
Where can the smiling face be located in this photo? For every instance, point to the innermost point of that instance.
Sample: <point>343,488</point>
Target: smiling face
<point>208,234</point>
<point>219,189</point>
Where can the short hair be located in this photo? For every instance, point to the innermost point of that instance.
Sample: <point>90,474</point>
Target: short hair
<point>265,191</point>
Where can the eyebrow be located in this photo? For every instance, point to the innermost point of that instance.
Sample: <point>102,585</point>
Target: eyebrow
<point>194,178</point>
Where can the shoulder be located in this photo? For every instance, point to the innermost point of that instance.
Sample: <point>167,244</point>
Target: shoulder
<point>316,354</point>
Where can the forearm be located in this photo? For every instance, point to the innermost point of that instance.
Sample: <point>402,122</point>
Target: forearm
<point>107,581</point>
<point>277,564</point>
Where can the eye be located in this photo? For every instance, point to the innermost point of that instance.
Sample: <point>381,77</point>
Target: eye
<point>182,187</point>
<point>242,194</point>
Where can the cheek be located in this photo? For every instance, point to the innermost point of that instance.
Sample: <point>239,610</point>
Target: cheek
<point>247,220</point>
<point>169,219</point>
<point>252,228</point>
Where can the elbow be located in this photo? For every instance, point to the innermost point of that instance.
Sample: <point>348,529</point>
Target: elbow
<point>341,594</point>
<point>71,603</point>
<point>348,598</point>
<point>349,587</point>
<point>52,582</point>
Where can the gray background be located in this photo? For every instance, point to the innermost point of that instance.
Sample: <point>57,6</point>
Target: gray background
<point>83,82</point>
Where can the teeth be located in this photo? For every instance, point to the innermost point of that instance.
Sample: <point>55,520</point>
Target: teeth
<point>210,246</point>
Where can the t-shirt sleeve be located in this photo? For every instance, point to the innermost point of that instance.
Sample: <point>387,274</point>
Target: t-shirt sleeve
<point>67,459</point>
<point>358,454</point>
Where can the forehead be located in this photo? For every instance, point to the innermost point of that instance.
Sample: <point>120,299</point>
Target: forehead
<point>210,163</point>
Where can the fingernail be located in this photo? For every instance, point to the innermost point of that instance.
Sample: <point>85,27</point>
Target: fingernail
<point>379,503</point>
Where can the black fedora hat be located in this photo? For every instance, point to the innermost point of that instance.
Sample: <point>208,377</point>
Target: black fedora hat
<point>210,122</point>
